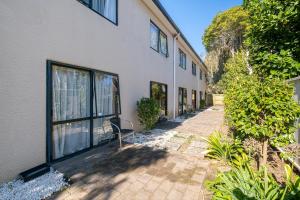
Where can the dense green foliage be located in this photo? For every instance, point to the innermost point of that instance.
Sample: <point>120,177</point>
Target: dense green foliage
<point>148,112</point>
<point>202,104</point>
<point>242,182</point>
<point>226,30</point>
<point>228,151</point>
<point>224,37</point>
<point>274,37</point>
<point>262,109</point>
<point>247,184</point>
<point>235,70</point>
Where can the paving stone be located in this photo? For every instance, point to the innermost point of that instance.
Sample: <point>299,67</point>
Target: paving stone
<point>151,186</point>
<point>159,195</point>
<point>142,171</point>
<point>174,195</point>
<point>145,178</point>
<point>166,186</point>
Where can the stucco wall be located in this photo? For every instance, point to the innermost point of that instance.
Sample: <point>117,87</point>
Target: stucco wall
<point>33,31</point>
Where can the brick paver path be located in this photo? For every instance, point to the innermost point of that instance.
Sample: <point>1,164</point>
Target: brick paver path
<point>141,172</point>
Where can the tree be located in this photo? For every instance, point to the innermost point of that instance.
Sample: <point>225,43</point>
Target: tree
<point>263,110</point>
<point>235,69</point>
<point>273,37</point>
<point>224,37</point>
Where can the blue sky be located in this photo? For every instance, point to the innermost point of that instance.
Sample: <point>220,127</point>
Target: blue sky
<point>194,16</point>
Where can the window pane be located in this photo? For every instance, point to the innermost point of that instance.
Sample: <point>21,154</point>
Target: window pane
<point>102,131</point>
<point>163,44</point>
<point>107,94</point>
<point>70,138</point>
<point>154,36</point>
<point>180,98</point>
<point>159,93</point>
<point>71,93</point>
<point>184,100</point>
<point>108,8</point>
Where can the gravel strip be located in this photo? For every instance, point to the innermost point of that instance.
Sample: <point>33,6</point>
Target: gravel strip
<point>156,138</point>
<point>36,189</point>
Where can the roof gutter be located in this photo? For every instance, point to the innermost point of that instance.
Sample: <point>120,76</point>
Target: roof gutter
<point>165,13</point>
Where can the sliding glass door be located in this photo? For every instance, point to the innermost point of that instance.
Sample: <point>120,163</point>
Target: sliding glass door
<point>78,102</point>
<point>105,105</point>
<point>194,99</point>
<point>159,92</point>
<point>182,101</point>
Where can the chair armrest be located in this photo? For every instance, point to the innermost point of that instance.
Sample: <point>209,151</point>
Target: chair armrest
<point>116,126</point>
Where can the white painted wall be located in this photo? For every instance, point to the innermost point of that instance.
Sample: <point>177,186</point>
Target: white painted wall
<point>33,31</point>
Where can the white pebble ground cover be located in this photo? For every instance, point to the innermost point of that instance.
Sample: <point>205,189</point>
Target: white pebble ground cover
<point>156,138</point>
<point>36,189</point>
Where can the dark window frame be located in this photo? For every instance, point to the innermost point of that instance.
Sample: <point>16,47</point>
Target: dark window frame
<point>200,74</point>
<point>183,91</point>
<point>166,101</point>
<point>194,69</point>
<point>49,108</point>
<point>90,6</point>
<point>158,50</point>
<point>181,56</point>
<point>194,93</point>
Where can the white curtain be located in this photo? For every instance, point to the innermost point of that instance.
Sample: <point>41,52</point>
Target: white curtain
<point>108,8</point>
<point>105,89</point>
<point>163,44</point>
<point>154,36</point>
<point>104,94</point>
<point>70,101</point>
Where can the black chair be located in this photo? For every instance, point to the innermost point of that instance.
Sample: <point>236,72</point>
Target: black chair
<point>117,129</point>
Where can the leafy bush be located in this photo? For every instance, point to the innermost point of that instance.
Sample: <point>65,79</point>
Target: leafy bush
<point>148,112</point>
<point>264,110</point>
<point>228,151</point>
<point>274,37</point>
<point>244,183</point>
<point>202,104</point>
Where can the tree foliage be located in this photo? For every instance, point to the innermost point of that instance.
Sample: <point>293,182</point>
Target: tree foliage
<point>273,37</point>
<point>148,112</point>
<point>224,37</point>
<point>264,110</point>
<point>235,70</point>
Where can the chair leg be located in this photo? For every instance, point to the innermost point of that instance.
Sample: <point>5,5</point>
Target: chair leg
<point>120,140</point>
<point>133,134</point>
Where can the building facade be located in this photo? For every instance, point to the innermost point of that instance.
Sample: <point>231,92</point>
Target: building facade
<point>65,66</point>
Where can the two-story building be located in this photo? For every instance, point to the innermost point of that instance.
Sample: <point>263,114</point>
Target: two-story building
<point>65,66</point>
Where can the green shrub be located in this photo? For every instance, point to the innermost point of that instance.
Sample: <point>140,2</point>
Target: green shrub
<point>244,183</point>
<point>263,110</point>
<point>228,151</point>
<point>202,104</point>
<point>148,112</point>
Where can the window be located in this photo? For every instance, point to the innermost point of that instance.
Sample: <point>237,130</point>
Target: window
<point>182,101</point>
<point>194,99</point>
<point>106,8</point>
<point>194,68</point>
<point>159,92</point>
<point>158,40</point>
<point>200,74</point>
<point>182,59</point>
<point>73,124</point>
